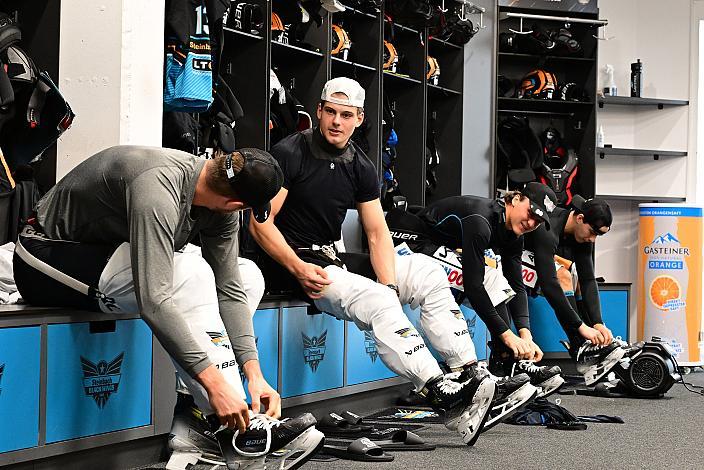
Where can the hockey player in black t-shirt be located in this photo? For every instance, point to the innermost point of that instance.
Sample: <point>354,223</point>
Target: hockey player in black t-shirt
<point>325,173</point>
<point>475,225</point>
<point>560,260</point>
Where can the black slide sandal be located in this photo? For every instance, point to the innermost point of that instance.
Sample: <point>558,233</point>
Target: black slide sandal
<point>400,439</point>
<point>361,449</point>
<point>355,419</point>
<point>333,424</point>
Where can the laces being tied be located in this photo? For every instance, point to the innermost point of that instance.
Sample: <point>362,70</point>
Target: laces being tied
<point>587,346</point>
<point>259,422</point>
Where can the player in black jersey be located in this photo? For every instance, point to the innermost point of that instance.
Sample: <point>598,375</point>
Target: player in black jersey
<point>325,174</point>
<point>561,259</point>
<point>474,225</point>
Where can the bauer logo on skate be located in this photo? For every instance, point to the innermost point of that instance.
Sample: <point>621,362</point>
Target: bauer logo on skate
<point>102,379</point>
<point>314,349</point>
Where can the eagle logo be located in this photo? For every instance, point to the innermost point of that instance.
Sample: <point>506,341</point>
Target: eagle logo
<point>102,379</point>
<point>471,326</point>
<point>314,349</point>
<point>370,346</point>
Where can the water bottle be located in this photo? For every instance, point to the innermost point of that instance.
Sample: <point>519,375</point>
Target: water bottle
<point>637,78</point>
<point>610,88</point>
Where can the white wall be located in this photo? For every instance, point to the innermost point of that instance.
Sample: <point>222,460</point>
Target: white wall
<point>660,35</point>
<point>662,42</point>
<point>110,71</point>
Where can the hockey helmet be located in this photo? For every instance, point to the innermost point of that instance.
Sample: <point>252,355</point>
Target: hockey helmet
<point>538,84</point>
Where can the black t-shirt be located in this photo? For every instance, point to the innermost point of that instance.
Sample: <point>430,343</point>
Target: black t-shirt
<point>545,244</point>
<point>475,224</point>
<point>322,185</point>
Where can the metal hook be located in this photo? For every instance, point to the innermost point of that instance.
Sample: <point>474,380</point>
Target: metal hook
<point>602,35</point>
<point>442,7</point>
<point>462,14</point>
<point>468,8</point>
<point>521,28</point>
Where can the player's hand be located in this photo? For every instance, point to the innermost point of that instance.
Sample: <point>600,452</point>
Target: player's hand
<point>313,279</point>
<point>608,336</point>
<point>536,351</point>
<point>262,393</point>
<point>229,407</point>
<point>593,335</point>
<point>521,348</point>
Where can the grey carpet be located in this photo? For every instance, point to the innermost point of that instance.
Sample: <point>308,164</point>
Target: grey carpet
<point>658,434</point>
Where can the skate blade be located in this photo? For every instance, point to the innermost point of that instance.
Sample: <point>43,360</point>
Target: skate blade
<point>297,452</point>
<point>551,386</point>
<point>179,460</point>
<point>256,463</point>
<point>520,397</point>
<point>481,405</point>
<point>593,374</point>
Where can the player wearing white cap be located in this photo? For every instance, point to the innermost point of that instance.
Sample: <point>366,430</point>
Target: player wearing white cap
<point>325,173</point>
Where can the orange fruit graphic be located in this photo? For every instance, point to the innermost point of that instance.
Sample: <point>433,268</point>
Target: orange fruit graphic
<point>662,289</point>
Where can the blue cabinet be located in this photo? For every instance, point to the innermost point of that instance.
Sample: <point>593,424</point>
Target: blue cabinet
<point>266,332</point>
<point>547,331</point>
<point>363,361</point>
<point>312,352</point>
<point>97,381</point>
<point>19,387</point>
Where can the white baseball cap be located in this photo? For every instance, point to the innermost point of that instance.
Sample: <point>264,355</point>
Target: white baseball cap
<point>333,6</point>
<point>346,86</point>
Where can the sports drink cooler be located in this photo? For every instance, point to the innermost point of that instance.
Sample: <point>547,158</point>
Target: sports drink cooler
<point>670,278</point>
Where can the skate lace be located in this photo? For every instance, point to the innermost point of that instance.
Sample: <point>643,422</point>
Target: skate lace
<point>258,422</point>
<point>587,347</point>
<point>448,386</point>
<point>264,422</point>
<point>527,366</point>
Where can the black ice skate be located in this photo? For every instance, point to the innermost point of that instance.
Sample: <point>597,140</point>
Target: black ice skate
<point>466,403</point>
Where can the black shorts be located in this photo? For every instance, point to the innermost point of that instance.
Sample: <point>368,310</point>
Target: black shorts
<point>81,261</point>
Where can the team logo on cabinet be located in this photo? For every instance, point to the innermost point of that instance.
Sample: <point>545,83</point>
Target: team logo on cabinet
<point>314,349</point>
<point>101,379</point>
<point>472,326</point>
<point>370,346</point>
<point>2,369</point>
